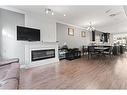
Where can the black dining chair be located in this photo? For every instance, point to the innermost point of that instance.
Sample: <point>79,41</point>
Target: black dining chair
<point>91,51</point>
<point>108,51</point>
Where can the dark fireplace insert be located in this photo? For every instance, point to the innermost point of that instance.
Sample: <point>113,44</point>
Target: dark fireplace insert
<point>42,54</point>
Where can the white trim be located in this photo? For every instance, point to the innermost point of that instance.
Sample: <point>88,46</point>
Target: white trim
<point>22,66</point>
<point>120,33</point>
<point>71,25</point>
<point>13,9</point>
<point>37,65</point>
<point>29,47</point>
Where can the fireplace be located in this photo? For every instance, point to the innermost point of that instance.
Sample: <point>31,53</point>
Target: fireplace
<point>42,54</point>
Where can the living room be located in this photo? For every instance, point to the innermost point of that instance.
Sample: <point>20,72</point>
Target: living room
<point>53,47</point>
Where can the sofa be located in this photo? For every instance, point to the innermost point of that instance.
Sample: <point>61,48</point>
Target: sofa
<point>73,54</point>
<point>9,74</point>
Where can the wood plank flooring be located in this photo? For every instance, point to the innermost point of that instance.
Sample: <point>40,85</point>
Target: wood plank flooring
<point>95,73</point>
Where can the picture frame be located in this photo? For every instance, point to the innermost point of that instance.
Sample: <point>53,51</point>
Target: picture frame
<point>71,31</point>
<point>83,34</point>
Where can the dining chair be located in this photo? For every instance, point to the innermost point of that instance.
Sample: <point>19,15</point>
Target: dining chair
<point>91,51</point>
<point>108,51</point>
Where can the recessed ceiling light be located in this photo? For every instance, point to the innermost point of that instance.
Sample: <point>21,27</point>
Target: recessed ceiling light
<point>46,11</point>
<point>64,14</point>
<point>52,13</point>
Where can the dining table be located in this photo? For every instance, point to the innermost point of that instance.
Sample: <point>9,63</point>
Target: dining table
<point>100,49</point>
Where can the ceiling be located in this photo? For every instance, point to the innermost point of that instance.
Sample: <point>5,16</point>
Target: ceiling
<point>111,19</point>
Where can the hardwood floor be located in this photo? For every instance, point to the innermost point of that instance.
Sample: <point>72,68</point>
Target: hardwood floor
<point>95,73</point>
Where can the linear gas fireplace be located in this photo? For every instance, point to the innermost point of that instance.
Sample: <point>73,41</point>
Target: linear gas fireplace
<point>42,54</point>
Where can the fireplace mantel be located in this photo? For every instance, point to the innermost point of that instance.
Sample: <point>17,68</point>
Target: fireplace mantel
<point>37,46</point>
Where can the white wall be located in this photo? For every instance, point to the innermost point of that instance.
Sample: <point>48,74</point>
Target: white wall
<point>111,40</point>
<point>0,33</point>
<point>75,41</point>
<point>46,25</point>
<point>10,47</point>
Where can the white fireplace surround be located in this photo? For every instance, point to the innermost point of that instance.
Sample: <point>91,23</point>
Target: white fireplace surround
<point>39,46</point>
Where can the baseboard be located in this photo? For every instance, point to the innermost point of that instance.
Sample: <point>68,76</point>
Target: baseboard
<point>38,64</point>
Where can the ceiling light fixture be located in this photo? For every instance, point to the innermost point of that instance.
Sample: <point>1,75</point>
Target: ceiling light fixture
<point>90,27</point>
<point>49,11</point>
<point>64,14</point>
<point>52,13</point>
<point>46,11</point>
